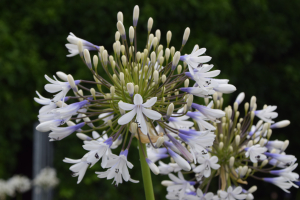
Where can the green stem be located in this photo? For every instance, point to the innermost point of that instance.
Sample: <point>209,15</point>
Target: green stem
<point>146,173</point>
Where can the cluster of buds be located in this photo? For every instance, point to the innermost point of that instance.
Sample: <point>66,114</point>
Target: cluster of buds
<point>147,96</point>
<point>239,151</point>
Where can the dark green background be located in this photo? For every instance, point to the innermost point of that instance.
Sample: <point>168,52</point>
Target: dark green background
<point>254,43</point>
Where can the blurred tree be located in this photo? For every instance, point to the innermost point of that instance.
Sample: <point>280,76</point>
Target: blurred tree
<point>255,44</point>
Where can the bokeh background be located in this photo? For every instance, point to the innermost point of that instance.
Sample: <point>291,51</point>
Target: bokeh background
<point>255,43</point>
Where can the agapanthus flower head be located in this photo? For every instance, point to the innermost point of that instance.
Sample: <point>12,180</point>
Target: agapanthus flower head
<point>147,96</point>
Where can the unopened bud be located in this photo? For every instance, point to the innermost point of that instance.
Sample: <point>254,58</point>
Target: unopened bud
<point>252,189</point>
<point>167,183</point>
<point>175,60</point>
<point>122,78</point>
<point>121,29</point>
<point>250,143</point>
<point>186,82</point>
<point>104,57</point>
<point>150,24</point>
<point>130,88</point>
<point>87,58</point>
<point>280,124</point>
<point>159,141</point>
<point>93,92</point>
<point>186,36</point>
<point>167,53</point>
<point>153,57</point>
<point>136,12</point>
<point>136,89</point>
<point>169,36</point>
<point>138,56</point>
<point>72,83</point>
<point>190,101</point>
<point>221,145</point>
<point>62,76</point>
<point>133,128</point>
<point>80,48</point>
<point>131,34</point>
<point>264,163</point>
<point>246,107</point>
<point>124,60</point>
<point>117,36</point>
<point>252,102</point>
<point>285,145</point>
<point>163,78</point>
<point>170,110</point>
<point>154,42</point>
<point>120,16</point>
<point>83,137</point>
<point>158,34</point>
<point>172,50</point>
<point>112,90</point>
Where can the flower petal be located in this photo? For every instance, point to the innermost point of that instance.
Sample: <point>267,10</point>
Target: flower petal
<point>125,119</point>
<point>151,114</point>
<point>138,100</point>
<point>150,102</point>
<point>126,106</point>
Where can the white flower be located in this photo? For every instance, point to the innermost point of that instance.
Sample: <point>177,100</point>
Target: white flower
<point>281,182</point>
<point>48,103</point>
<point>256,153</point>
<point>197,140</point>
<point>233,194</point>
<point>139,109</point>
<point>46,179</point>
<point>99,150</point>
<point>106,116</point>
<point>80,166</point>
<point>206,163</point>
<point>118,169</point>
<point>59,133</point>
<point>194,59</point>
<point>179,185</point>
<point>200,119</point>
<point>73,46</point>
<point>19,183</point>
<point>287,173</point>
<point>267,114</point>
<point>58,86</point>
<point>156,154</point>
<point>168,168</point>
<point>212,114</point>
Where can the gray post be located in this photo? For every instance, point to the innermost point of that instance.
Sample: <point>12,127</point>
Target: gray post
<point>42,157</point>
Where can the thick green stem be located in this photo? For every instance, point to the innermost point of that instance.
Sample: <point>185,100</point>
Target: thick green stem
<point>146,174</point>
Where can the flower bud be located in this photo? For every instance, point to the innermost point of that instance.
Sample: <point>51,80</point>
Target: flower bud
<point>158,34</point>
<point>159,141</point>
<point>136,12</point>
<point>250,143</point>
<point>131,34</point>
<point>252,189</point>
<point>121,29</point>
<point>124,60</point>
<point>186,82</point>
<point>172,50</point>
<point>167,183</point>
<point>138,56</point>
<point>112,90</point>
<point>120,16</point>
<point>167,53</point>
<point>280,124</point>
<point>133,128</point>
<point>169,36</point>
<point>153,57</point>
<point>163,78</point>
<point>87,58</point>
<point>170,110</point>
<point>285,145</point>
<point>122,78</point>
<point>136,89</point>
<point>190,100</point>
<point>152,166</point>
<point>95,61</point>
<point>264,163</point>
<point>93,93</point>
<point>179,69</point>
<point>83,137</point>
<point>72,83</point>
<point>117,36</point>
<point>246,107</point>
<point>175,60</point>
<point>252,102</point>
<point>123,49</point>
<point>186,36</point>
<point>221,145</point>
<point>62,76</point>
<point>130,88</point>
<point>150,24</point>
<point>80,48</point>
<point>240,98</point>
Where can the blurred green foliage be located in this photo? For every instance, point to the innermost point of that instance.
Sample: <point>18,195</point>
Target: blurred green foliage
<point>255,44</point>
